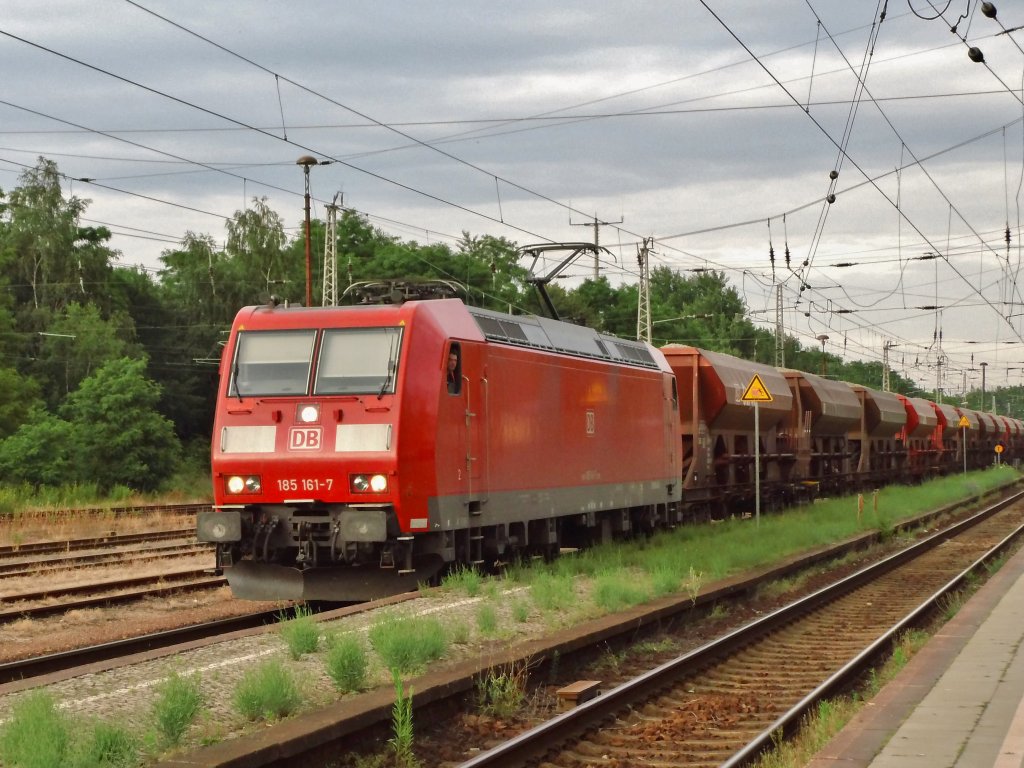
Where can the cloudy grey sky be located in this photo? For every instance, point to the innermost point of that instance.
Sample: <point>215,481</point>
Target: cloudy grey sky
<point>710,126</point>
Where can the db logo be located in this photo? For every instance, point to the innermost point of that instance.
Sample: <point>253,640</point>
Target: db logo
<point>304,438</point>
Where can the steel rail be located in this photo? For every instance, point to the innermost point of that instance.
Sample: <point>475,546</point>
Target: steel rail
<point>10,570</point>
<point>539,740</point>
<point>93,542</point>
<point>27,669</point>
<point>789,722</point>
<point>185,508</point>
<point>39,611</point>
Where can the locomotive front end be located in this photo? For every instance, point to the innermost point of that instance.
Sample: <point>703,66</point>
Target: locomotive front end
<point>303,456</point>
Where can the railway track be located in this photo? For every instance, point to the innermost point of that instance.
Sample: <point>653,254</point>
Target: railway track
<point>189,508</point>
<point>25,670</point>
<point>47,562</point>
<point>724,703</point>
<point>436,702</point>
<point>62,563</point>
<point>107,593</point>
<point>55,548</point>
<point>120,551</point>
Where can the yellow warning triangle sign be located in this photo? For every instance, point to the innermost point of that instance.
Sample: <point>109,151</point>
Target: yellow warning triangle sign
<point>963,422</point>
<point>757,392</point>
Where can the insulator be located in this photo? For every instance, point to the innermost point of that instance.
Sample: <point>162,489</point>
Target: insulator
<point>975,55</point>
<point>787,257</point>
<point>1007,236</point>
<point>771,254</point>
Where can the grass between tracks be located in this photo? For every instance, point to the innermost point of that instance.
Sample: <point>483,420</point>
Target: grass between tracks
<point>39,514</point>
<point>601,580</point>
<point>189,485</point>
<point>629,573</point>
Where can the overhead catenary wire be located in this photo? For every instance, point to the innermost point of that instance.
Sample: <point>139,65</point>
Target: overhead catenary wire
<point>838,146</point>
<point>682,258</point>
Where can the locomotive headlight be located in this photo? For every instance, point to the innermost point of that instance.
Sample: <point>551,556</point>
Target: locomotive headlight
<point>309,414</point>
<point>368,483</point>
<point>244,484</point>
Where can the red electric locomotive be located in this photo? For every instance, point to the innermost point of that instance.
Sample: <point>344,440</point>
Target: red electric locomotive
<point>359,450</point>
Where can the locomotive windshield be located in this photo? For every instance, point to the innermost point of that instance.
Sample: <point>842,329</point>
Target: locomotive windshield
<point>352,361</point>
<point>358,361</point>
<point>272,363</point>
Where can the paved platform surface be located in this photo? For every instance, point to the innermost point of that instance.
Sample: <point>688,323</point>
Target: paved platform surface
<point>959,703</point>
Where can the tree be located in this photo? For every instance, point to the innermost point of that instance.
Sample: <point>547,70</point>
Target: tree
<point>77,343</point>
<point>256,266</point>
<point>194,279</point>
<point>594,304</point>
<point>118,436</point>
<point>490,265</point>
<point>178,325</point>
<point>44,249</point>
<point>38,452</point>
<point>19,397</point>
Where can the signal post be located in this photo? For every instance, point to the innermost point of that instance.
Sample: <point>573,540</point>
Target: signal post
<point>756,393</point>
<point>964,424</point>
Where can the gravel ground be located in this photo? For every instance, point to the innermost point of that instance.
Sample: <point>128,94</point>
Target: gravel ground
<point>124,696</point>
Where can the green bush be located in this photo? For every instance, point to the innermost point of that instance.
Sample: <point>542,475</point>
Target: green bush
<point>301,633</point>
<point>487,619</point>
<point>37,734</point>
<point>664,582</point>
<point>458,632</point>
<point>466,579</point>
<point>619,589</point>
<point>401,718</point>
<point>500,693</point>
<point>520,611</point>
<point>178,701</point>
<point>347,663</point>
<point>408,643</point>
<point>553,593</point>
<point>108,746</point>
<point>266,692</point>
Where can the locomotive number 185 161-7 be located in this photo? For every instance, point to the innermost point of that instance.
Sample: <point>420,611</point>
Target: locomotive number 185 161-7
<point>304,484</point>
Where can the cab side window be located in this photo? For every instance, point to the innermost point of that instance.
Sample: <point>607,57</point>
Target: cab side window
<point>453,370</point>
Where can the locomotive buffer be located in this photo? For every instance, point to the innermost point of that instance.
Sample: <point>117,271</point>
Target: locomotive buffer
<point>756,393</point>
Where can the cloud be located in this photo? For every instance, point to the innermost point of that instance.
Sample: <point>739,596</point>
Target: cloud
<point>661,115</point>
